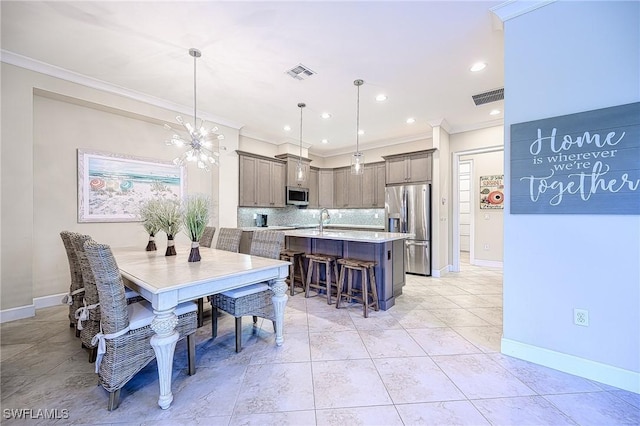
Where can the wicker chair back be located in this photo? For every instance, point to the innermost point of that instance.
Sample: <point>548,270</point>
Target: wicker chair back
<point>267,244</point>
<point>76,275</point>
<point>110,287</point>
<point>229,239</point>
<point>207,237</point>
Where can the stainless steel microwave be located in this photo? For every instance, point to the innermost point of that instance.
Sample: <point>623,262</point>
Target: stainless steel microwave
<point>297,196</point>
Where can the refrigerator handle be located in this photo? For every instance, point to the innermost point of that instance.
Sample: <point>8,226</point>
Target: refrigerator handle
<point>404,210</point>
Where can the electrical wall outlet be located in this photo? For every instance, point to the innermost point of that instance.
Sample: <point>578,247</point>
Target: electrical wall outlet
<point>486,246</point>
<point>581,317</point>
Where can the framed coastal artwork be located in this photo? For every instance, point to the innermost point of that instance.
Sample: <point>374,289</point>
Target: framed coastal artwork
<point>111,187</point>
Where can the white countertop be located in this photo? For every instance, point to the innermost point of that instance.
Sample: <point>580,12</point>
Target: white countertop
<point>363,227</point>
<point>356,236</point>
<point>266,228</point>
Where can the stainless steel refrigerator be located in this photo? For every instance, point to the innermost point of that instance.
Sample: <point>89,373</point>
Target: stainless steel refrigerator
<point>408,209</point>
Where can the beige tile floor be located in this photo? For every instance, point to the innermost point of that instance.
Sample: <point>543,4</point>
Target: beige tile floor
<point>431,359</point>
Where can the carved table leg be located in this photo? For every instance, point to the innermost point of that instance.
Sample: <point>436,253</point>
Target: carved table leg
<point>279,288</point>
<point>164,345</point>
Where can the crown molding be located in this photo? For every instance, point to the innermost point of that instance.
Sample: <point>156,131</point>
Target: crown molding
<point>11,58</point>
<point>440,122</point>
<point>514,8</point>
<point>373,145</point>
<point>479,126</point>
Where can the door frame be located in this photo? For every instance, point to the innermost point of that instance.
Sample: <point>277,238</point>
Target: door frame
<point>455,222</point>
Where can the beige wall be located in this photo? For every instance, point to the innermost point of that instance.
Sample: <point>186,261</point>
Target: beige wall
<point>487,224</point>
<point>486,231</point>
<point>45,120</point>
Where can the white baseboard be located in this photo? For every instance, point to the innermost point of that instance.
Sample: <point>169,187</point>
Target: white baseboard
<point>29,311</point>
<point>487,263</point>
<point>21,312</point>
<point>438,273</point>
<point>592,370</point>
<point>48,301</point>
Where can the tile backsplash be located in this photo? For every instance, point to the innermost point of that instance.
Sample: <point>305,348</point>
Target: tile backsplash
<point>291,215</point>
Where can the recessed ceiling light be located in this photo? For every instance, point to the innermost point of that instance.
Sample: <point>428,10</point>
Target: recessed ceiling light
<point>287,128</point>
<point>478,66</point>
<point>494,112</point>
<point>325,141</point>
<point>361,132</point>
<point>411,120</point>
<point>381,98</point>
<point>326,115</point>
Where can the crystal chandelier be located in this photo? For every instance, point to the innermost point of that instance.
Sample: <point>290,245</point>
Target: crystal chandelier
<point>301,176</point>
<point>198,140</point>
<point>357,159</point>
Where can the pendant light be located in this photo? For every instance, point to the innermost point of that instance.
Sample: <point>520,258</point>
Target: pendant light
<point>357,159</point>
<point>200,149</point>
<point>301,176</point>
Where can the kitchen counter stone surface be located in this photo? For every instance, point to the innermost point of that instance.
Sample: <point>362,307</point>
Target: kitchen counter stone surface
<point>356,236</point>
<point>266,228</point>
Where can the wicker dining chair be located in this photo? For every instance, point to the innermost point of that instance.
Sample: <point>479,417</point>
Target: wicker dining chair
<point>229,239</point>
<point>88,315</point>
<point>207,236</point>
<point>205,241</point>
<point>125,329</point>
<point>76,288</point>
<point>252,300</point>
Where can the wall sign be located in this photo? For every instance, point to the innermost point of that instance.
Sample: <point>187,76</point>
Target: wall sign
<point>584,163</point>
<point>492,192</point>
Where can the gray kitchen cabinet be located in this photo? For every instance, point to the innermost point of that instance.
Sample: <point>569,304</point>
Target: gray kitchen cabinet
<point>347,189</point>
<point>262,181</point>
<point>325,188</point>
<point>340,188</point>
<point>313,180</point>
<point>408,168</point>
<point>373,182</point>
<point>248,196</point>
<point>292,168</point>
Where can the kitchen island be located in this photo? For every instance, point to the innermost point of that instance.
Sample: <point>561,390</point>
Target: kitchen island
<point>385,248</point>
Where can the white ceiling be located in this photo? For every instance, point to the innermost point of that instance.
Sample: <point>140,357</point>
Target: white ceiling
<point>417,53</point>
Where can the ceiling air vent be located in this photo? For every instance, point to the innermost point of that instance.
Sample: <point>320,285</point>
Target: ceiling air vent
<point>490,96</point>
<point>300,72</point>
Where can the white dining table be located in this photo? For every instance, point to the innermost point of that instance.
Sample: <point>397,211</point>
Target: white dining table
<point>167,281</point>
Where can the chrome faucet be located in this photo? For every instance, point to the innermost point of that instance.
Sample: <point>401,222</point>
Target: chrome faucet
<point>324,215</point>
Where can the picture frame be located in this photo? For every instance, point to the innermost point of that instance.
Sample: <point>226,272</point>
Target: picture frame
<point>111,187</point>
<point>492,192</point>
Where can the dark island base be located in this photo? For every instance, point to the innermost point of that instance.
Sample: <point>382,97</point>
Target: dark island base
<point>390,269</point>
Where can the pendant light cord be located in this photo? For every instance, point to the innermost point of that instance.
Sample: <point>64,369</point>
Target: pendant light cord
<point>358,122</point>
<point>301,105</point>
<point>195,125</point>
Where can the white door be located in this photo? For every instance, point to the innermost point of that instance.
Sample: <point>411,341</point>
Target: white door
<point>464,204</point>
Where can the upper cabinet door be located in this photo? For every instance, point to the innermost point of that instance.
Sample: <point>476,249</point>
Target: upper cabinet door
<point>379,185</point>
<point>247,196</point>
<point>419,168</point>
<point>265,196</point>
<point>314,196</point>
<point>277,185</point>
<point>396,170</point>
<point>292,171</point>
<point>325,188</point>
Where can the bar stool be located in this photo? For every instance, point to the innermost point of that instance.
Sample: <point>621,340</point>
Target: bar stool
<point>295,257</point>
<point>368,287</point>
<point>329,262</point>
